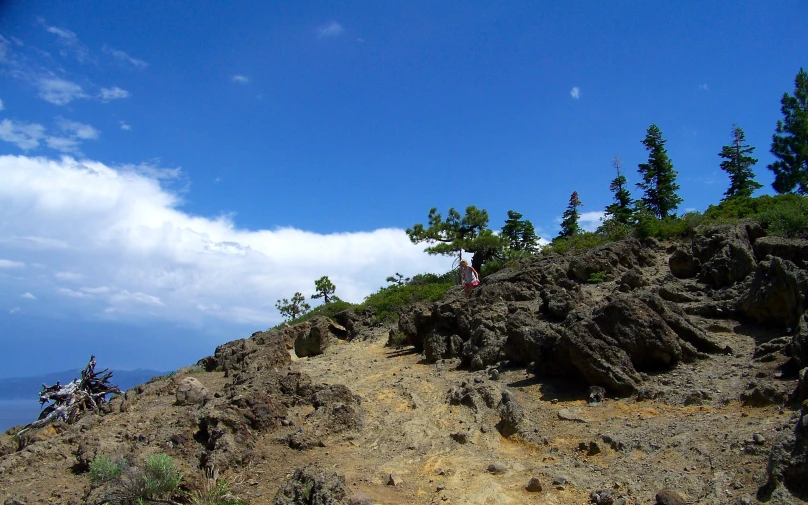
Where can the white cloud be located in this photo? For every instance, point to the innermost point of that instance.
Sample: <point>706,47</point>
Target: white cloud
<point>63,144</point>
<point>10,264</point>
<point>77,130</point>
<point>114,93</point>
<point>24,135</point>
<point>704,87</point>
<point>124,58</point>
<point>129,251</point>
<point>15,310</point>
<point>124,125</point>
<point>590,221</point>
<point>241,79</point>
<point>575,92</point>
<point>70,43</point>
<point>331,30</point>
<point>58,91</point>
<point>28,296</point>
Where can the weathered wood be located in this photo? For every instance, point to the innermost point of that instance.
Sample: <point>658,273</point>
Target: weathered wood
<point>75,398</point>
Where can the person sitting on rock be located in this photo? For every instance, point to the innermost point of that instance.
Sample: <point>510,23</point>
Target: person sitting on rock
<point>470,277</point>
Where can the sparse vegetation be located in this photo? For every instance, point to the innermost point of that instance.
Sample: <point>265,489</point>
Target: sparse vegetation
<point>597,277</point>
<point>103,469</point>
<point>291,310</point>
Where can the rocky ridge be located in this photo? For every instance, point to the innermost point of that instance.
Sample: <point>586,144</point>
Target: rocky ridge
<point>606,376</point>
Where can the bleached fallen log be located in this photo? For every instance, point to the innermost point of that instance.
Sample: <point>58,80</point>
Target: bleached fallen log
<point>74,398</point>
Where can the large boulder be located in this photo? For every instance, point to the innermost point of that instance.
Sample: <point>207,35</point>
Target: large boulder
<point>725,253</point>
<point>263,349</point>
<point>609,259</point>
<point>683,264</point>
<point>777,294</point>
<point>317,337</point>
<point>791,249</point>
<point>190,391</point>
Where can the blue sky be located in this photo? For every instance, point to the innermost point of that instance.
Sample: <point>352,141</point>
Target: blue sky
<point>175,168</point>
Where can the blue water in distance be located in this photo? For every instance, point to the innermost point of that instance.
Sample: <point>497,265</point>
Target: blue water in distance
<point>17,413</point>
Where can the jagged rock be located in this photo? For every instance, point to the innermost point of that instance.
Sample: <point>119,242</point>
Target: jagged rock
<point>313,486</point>
<point>725,253</point>
<point>436,347</point>
<point>360,498</point>
<point>191,392</point>
<point>683,264</point>
<point>602,497</point>
<point>262,349</point>
<point>512,416</point>
<point>556,302</point>
<point>777,295</point>
<point>761,394</point>
<point>394,480</point>
<point>316,339</point>
<point>608,258</point>
<point>791,249</point>
<point>631,280</point>
<point>571,415</point>
<point>533,485</point>
<point>498,468</point>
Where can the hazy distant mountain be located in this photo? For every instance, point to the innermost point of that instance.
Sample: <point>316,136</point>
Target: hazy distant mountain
<point>28,388</point>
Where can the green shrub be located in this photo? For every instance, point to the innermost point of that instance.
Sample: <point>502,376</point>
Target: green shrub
<point>325,310</point>
<point>579,242</point>
<point>213,490</point>
<point>396,339</point>
<point>388,301</point>
<point>788,217</point>
<point>103,469</point>
<point>162,475</point>
<point>596,277</point>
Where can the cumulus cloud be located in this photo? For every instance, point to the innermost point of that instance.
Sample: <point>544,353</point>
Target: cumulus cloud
<point>11,264</point>
<point>124,58</point>
<point>28,296</point>
<point>124,125</point>
<point>241,79</point>
<point>114,93</point>
<point>575,92</point>
<point>332,29</point>
<point>590,221</point>
<point>63,144</point>
<point>58,91</point>
<point>24,135</point>
<point>114,242</point>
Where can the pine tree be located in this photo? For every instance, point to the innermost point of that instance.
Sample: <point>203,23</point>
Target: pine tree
<point>325,289</point>
<point>790,142</point>
<point>620,211</point>
<point>292,310</point>
<point>658,176</point>
<point>569,224</point>
<point>521,234</point>
<point>738,165</point>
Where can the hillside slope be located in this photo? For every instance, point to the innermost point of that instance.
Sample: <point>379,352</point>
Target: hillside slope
<point>602,377</point>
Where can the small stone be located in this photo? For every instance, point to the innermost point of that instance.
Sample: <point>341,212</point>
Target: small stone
<point>440,488</point>
<point>560,481</point>
<point>554,401</point>
<point>534,486</point>
<point>594,448</point>
<point>394,480</point>
<point>493,374</point>
<point>570,415</point>
<point>497,468</point>
<point>668,496</point>
<point>759,439</point>
<point>485,428</point>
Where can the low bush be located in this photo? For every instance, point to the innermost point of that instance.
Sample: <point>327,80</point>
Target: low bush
<point>388,301</point>
<point>162,475</point>
<point>103,469</point>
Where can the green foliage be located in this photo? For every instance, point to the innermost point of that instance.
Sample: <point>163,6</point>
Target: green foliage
<point>738,164</point>
<point>620,211</point>
<point>569,223</point>
<point>790,141</point>
<point>579,242</point>
<point>521,235</point>
<point>458,233</point>
<point>162,475</point>
<point>397,339</point>
<point>389,300</point>
<point>103,469</point>
<point>324,288</point>
<point>398,279</point>
<point>195,368</point>
<point>658,176</point>
<point>508,258</point>
<point>291,310</point>
<point>325,310</point>
<point>669,227</point>
<point>597,277</point>
<point>783,215</point>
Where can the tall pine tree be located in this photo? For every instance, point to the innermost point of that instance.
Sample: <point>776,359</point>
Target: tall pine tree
<point>790,142</point>
<point>620,211</point>
<point>569,223</point>
<point>738,164</point>
<point>658,176</point>
<point>520,233</point>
